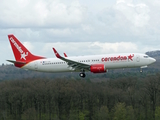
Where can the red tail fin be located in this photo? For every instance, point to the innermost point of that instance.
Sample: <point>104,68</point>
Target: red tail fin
<point>20,52</point>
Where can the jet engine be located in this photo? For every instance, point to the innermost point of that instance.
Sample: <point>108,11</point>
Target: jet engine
<point>97,68</point>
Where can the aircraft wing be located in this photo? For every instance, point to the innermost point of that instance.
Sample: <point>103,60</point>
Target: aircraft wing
<point>71,63</point>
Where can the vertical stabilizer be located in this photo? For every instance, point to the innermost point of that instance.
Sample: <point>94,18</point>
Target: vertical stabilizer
<point>21,53</point>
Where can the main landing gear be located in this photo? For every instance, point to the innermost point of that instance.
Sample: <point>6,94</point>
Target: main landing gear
<point>82,74</point>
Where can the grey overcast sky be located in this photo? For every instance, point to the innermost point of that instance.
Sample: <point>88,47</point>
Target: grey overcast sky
<point>80,27</point>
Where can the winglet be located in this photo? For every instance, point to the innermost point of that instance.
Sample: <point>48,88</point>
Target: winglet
<point>65,55</point>
<point>56,53</point>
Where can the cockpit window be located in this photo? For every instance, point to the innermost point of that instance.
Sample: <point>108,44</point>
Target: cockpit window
<point>145,56</point>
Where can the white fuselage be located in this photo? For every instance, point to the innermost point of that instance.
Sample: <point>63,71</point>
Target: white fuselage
<point>111,61</point>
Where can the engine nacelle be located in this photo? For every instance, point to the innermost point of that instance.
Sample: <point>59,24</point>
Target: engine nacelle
<point>97,68</point>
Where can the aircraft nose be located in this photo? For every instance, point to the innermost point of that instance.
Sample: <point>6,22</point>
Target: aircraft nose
<point>152,60</point>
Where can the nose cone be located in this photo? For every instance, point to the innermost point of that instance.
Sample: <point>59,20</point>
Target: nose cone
<point>152,60</point>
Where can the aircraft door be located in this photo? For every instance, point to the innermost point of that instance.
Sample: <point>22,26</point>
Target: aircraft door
<point>138,58</point>
<point>36,65</point>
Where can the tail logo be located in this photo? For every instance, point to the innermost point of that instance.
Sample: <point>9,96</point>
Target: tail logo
<point>23,54</point>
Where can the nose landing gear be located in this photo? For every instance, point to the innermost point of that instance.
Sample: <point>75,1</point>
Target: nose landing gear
<point>142,68</point>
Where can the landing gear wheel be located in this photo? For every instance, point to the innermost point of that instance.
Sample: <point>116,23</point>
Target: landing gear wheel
<point>82,75</point>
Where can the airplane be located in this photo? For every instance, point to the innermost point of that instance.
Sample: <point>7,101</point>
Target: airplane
<point>93,63</point>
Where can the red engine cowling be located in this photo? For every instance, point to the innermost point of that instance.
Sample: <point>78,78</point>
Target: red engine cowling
<point>97,68</point>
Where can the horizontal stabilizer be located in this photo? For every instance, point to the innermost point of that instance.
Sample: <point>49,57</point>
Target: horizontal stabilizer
<point>16,62</point>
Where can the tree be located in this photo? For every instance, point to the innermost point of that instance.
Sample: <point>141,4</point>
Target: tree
<point>103,113</point>
<point>119,112</point>
<point>152,86</point>
<point>157,113</point>
<point>29,114</point>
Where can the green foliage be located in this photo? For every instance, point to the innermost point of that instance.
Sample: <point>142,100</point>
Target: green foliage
<point>82,115</point>
<point>103,113</point>
<point>124,98</point>
<point>29,114</point>
<point>130,113</point>
<point>157,113</point>
<point>120,112</point>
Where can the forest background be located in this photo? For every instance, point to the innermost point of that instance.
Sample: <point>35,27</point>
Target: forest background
<point>117,95</point>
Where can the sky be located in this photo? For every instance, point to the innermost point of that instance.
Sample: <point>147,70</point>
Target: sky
<point>80,27</point>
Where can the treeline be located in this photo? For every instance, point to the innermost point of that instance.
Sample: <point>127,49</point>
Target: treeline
<point>125,98</point>
<point>10,72</point>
